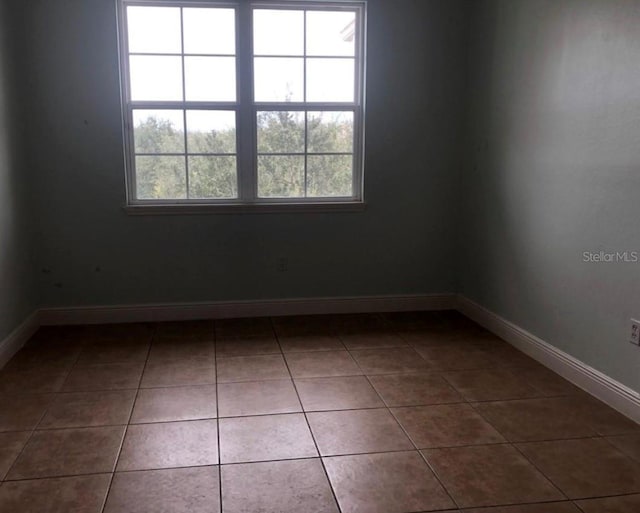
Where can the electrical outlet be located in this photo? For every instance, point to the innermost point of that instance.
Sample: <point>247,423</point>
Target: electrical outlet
<point>634,336</point>
<point>282,265</point>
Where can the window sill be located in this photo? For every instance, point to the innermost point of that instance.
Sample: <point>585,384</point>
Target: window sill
<point>243,208</point>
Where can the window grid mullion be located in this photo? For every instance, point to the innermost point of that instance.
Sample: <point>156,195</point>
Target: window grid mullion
<point>184,99</point>
<point>297,106</point>
<point>247,175</point>
<point>186,54</point>
<point>358,158</point>
<point>293,154</point>
<point>183,154</point>
<point>304,96</point>
<point>129,143</point>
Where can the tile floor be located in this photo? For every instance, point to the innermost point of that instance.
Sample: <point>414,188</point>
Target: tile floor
<point>379,413</point>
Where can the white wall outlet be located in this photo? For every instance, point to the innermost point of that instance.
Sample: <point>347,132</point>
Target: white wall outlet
<point>634,335</point>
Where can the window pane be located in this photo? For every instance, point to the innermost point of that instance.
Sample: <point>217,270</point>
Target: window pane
<point>156,78</point>
<point>330,80</point>
<point>329,176</point>
<point>210,78</point>
<point>161,178</point>
<point>158,131</point>
<point>280,132</point>
<point>154,29</point>
<point>278,32</point>
<point>213,177</point>
<point>331,33</point>
<point>330,132</point>
<point>211,131</point>
<point>281,177</point>
<point>209,31</point>
<point>278,80</point>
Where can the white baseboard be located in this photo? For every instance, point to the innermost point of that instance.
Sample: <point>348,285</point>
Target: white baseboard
<point>231,309</point>
<point>608,390</point>
<point>596,383</point>
<point>18,338</point>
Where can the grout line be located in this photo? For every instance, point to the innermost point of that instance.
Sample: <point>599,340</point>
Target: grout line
<point>57,476</point>
<point>531,462</point>
<point>215,368</point>
<point>313,437</point>
<point>514,505</point>
<point>578,508</point>
<point>126,429</point>
<point>466,401</point>
<point>419,450</point>
<point>44,413</point>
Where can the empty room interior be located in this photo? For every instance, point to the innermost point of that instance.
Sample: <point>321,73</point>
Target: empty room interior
<point>307,256</point>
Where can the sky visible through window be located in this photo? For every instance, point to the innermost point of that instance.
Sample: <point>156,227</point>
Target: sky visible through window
<point>156,36</point>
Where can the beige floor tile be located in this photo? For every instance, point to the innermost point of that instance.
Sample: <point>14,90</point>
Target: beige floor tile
<point>490,385</point>
<point>506,356</point>
<point>104,376</point>
<point>537,419</point>
<point>37,381</point>
<point>628,444</point>
<point>183,490</point>
<point>113,352</point>
<point>277,487</point>
<point>605,420</point>
<point>548,383</point>
<point>87,409</point>
<point>302,325</point>
<point>372,340</point>
<point>257,398</point>
<point>625,504</point>
<point>357,431</point>
<point>454,356</point>
<point>268,437</point>
<point>415,389</point>
<point>250,327</point>
<point>170,350</point>
<point>21,412</point>
<point>397,482</point>
<point>546,507</point>
<point>175,404</point>
<point>389,361</point>
<point>446,425</point>
<point>187,330</point>
<point>11,445</point>
<point>124,332</point>
<point>585,468</point>
<point>309,342</point>
<point>490,475</point>
<point>170,444</point>
<point>64,452</point>
<point>56,358</point>
<point>251,368</point>
<point>79,494</point>
<point>243,346</point>
<point>179,373</point>
<point>322,364</point>
<point>337,393</point>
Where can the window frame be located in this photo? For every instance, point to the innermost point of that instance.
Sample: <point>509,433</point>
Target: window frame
<point>246,109</point>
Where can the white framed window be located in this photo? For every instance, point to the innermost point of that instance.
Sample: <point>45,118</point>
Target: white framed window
<point>246,104</point>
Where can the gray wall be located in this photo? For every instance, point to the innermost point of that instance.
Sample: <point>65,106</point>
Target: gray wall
<point>17,293</point>
<point>404,243</point>
<point>554,171</point>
